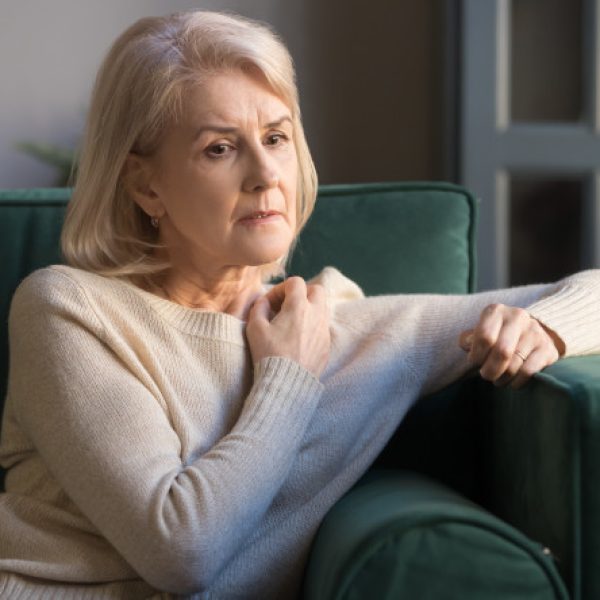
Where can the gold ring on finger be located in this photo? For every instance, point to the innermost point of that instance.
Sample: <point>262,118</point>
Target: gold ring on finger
<point>522,356</point>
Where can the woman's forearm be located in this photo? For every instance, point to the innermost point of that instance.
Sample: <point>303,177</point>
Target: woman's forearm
<point>424,330</point>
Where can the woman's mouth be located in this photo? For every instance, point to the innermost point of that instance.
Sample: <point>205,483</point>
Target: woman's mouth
<point>260,217</point>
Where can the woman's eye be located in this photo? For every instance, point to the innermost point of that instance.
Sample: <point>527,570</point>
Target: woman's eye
<point>274,139</point>
<point>218,150</point>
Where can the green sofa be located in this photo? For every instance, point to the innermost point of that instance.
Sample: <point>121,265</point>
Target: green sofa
<point>482,493</point>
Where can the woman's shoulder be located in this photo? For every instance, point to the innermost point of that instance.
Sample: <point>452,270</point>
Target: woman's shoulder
<point>59,282</point>
<point>338,287</point>
<point>66,290</point>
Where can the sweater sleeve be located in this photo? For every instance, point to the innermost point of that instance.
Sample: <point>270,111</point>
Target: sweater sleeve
<point>108,442</point>
<point>424,329</point>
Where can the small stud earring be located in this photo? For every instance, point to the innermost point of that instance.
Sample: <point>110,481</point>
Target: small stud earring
<point>154,222</point>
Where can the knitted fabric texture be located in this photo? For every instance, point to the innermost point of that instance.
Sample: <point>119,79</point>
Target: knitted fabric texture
<point>147,456</point>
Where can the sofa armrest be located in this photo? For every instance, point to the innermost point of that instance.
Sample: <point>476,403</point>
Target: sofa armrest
<point>541,464</point>
<point>398,534</point>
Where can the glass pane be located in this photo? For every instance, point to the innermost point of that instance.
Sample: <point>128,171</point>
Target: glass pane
<point>546,60</point>
<point>546,219</point>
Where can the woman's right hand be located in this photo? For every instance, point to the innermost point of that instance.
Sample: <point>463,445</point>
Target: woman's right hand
<point>291,320</point>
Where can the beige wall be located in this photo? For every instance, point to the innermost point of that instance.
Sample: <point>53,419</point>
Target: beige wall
<point>369,77</point>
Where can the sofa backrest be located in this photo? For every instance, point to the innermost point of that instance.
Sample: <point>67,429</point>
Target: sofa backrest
<point>388,237</point>
<point>393,238</point>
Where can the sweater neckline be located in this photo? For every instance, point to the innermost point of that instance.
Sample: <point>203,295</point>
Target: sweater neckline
<point>195,321</point>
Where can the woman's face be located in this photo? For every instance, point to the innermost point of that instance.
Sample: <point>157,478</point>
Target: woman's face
<point>224,178</point>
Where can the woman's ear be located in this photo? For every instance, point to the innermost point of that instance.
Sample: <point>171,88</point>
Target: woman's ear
<point>137,181</point>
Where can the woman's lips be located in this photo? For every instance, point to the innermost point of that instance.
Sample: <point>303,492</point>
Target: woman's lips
<point>261,217</point>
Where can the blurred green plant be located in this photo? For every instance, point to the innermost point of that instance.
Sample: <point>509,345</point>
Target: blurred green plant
<point>63,159</point>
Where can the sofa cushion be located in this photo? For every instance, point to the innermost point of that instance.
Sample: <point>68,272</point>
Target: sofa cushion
<point>393,238</point>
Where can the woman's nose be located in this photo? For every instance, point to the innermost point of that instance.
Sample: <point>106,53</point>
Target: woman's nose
<point>262,172</point>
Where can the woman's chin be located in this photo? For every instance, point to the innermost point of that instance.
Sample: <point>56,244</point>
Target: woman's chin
<point>266,256</point>
<point>265,260</point>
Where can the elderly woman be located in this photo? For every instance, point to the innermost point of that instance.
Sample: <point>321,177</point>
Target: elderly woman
<point>173,423</point>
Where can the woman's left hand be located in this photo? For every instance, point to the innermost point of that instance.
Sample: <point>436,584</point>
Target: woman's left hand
<point>508,345</point>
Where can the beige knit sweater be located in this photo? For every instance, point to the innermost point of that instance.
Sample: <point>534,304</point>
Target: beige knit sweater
<point>146,454</point>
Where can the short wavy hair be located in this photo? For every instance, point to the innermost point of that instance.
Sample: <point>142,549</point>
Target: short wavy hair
<point>137,96</point>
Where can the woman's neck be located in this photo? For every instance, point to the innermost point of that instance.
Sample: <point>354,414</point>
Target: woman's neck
<point>232,292</point>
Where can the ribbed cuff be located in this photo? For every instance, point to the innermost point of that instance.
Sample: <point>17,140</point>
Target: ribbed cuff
<point>573,313</point>
<point>283,399</point>
<point>21,587</point>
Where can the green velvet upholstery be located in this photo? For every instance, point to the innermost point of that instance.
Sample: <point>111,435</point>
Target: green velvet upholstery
<point>531,457</point>
<point>30,222</point>
<point>426,245</point>
<point>399,532</point>
<point>541,447</point>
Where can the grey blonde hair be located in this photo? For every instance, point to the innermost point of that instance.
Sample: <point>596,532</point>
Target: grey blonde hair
<point>138,94</point>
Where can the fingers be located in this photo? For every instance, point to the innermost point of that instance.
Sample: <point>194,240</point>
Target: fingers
<point>537,360</point>
<point>496,337</point>
<point>291,320</point>
<point>260,311</point>
<point>465,341</point>
<point>291,292</point>
<point>515,366</point>
<point>508,345</point>
<point>531,365</point>
<point>292,289</point>
<point>295,292</point>
<point>485,334</point>
<point>317,297</point>
<point>275,296</point>
<point>267,307</point>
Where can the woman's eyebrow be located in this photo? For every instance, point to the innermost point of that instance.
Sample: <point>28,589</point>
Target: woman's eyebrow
<point>225,129</point>
<point>278,122</point>
<point>213,129</point>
